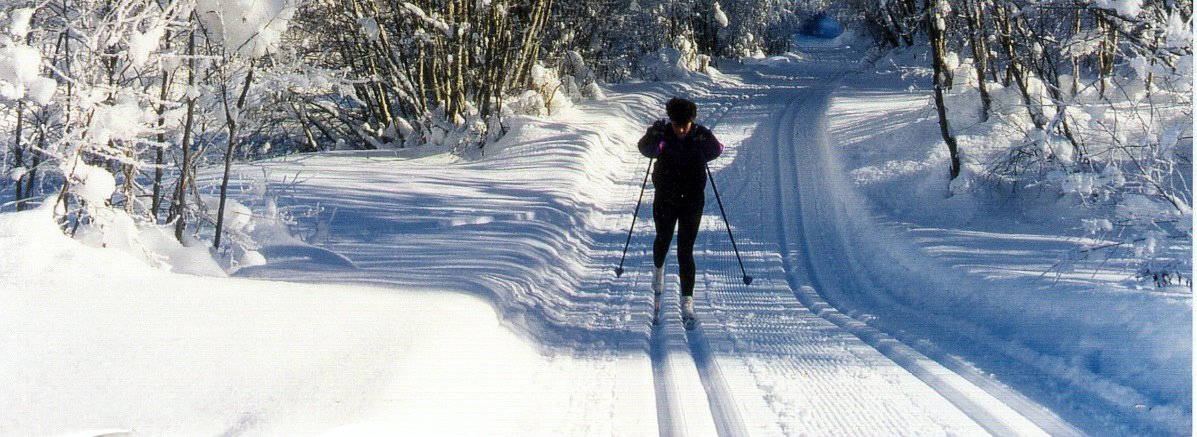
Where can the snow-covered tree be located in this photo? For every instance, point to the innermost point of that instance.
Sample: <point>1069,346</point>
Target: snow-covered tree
<point>240,33</point>
<point>426,72</point>
<point>85,80</point>
<point>1102,91</point>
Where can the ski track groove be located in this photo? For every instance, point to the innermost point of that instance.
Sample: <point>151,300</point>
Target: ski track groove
<point>671,418</point>
<point>664,350</point>
<point>974,400</point>
<point>776,334</point>
<point>724,409</point>
<point>783,160</point>
<point>833,410</point>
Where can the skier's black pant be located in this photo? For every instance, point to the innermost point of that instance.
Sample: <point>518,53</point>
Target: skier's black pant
<point>685,213</point>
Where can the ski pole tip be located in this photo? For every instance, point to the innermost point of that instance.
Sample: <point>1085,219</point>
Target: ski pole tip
<point>747,280</point>
<point>618,272</point>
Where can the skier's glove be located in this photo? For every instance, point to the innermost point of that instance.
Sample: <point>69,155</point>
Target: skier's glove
<point>658,129</point>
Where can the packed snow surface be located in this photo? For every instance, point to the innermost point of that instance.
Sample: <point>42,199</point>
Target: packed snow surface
<point>95,339</point>
<point>441,295</point>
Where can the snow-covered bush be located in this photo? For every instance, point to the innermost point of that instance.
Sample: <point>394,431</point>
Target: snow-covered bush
<point>1128,163</point>
<point>756,29</point>
<point>154,244</point>
<point>578,79</point>
<point>110,121</point>
<point>446,69</point>
<point>20,66</point>
<point>93,185</point>
<point>1110,158</point>
<point>25,86</point>
<point>1084,111</point>
<point>674,63</point>
<point>664,64</point>
<point>552,92</point>
<point>551,89</point>
<point>528,103</point>
<point>121,119</point>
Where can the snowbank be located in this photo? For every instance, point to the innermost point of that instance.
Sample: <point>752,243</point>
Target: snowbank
<point>1004,272</point>
<point>95,339</point>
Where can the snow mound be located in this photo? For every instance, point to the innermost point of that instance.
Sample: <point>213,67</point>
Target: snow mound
<point>675,64</point>
<point>124,344</point>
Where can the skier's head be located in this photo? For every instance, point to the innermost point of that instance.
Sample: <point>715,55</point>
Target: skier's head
<point>681,111</point>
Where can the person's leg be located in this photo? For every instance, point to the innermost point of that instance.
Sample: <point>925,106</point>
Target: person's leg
<point>665,218</point>
<point>688,222</point>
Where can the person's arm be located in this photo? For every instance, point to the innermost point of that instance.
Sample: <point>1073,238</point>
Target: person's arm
<point>711,147</point>
<point>653,141</point>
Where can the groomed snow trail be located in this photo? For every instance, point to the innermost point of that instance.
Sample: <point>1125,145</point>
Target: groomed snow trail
<point>537,228</point>
<point>816,370</point>
<point>805,209</point>
<point>804,374</point>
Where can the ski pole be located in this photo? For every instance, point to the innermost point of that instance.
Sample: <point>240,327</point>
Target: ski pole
<point>747,279</point>
<point>619,270</point>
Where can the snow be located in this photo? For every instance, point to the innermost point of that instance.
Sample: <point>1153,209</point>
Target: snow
<point>41,90</point>
<point>251,28</point>
<point>549,86</point>
<point>94,338</point>
<point>664,64</point>
<point>95,185</point>
<point>529,103</point>
<point>18,25</point>
<point>19,65</point>
<point>1125,8</point>
<point>369,27</point>
<point>142,44</point>
<point>1041,301</point>
<point>121,120</point>
<point>237,217</point>
<point>951,61</point>
<point>429,293</point>
<point>1141,209</point>
<point>431,20</point>
<point>720,17</point>
<point>1178,33</point>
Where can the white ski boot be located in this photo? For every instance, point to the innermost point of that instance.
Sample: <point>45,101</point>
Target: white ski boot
<point>688,317</point>
<point>658,288</point>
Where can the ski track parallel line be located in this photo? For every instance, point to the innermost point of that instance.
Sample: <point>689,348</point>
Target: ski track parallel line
<point>955,388</point>
<point>665,345</point>
<point>670,422</point>
<point>726,413</point>
<point>724,410</point>
<point>670,419</point>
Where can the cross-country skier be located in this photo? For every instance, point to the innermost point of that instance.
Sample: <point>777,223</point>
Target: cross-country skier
<point>682,149</point>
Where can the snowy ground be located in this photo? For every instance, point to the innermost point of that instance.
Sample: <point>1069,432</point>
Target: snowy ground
<point>479,296</point>
<point>1103,349</point>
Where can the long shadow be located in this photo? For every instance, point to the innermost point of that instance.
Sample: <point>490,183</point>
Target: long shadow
<point>534,258</point>
<point>538,250</point>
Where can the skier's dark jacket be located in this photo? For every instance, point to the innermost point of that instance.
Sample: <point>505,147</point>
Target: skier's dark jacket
<point>681,162</point>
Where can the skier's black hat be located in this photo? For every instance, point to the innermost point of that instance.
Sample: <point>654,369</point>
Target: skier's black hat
<point>681,110</point>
